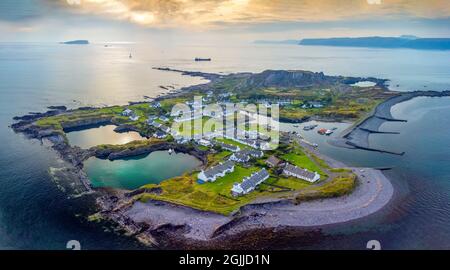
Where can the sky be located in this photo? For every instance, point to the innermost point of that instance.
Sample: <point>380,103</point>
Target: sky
<point>219,20</point>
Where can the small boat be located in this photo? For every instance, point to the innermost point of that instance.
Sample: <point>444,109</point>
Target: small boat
<point>335,128</point>
<point>296,126</point>
<point>198,59</point>
<point>170,151</point>
<point>311,127</point>
<point>324,131</point>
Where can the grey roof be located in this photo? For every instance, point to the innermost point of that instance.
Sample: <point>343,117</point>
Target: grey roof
<point>253,153</point>
<point>211,172</point>
<point>298,171</point>
<point>255,179</point>
<point>160,133</point>
<point>242,156</point>
<point>229,146</point>
<point>273,160</point>
<point>165,128</point>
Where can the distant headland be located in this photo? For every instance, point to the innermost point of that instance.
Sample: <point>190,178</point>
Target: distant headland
<point>76,42</point>
<point>407,42</point>
<point>404,41</point>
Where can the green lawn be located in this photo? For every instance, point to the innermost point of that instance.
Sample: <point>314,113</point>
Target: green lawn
<point>223,185</point>
<point>229,141</point>
<point>291,182</point>
<point>300,159</point>
<point>218,157</point>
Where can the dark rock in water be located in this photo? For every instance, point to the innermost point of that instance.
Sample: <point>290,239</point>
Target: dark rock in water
<point>32,116</point>
<point>60,108</point>
<point>76,42</point>
<point>125,128</point>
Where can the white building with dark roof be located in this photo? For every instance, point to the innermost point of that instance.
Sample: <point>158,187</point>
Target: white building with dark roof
<point>164,118</point>
<point>127,112</point>
<point>160,135</point>
<point>133,117</point>
<point>211,174</point>
<point>291,170</point>
<point>165,129</point>
<point>244,156</point>
<point>240,157</point>
<point>249,184</point>
<point>204,142</point>
<point>229,147</point>
<point>154,123</point>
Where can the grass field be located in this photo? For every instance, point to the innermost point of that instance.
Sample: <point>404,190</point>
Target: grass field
<point>339,186</point>
<point>231,142</point>
<point>300,159</point>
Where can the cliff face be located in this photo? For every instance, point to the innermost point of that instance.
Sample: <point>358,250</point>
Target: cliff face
<point>297,79</point>
<point>284,78</point>
<point>86,122</point>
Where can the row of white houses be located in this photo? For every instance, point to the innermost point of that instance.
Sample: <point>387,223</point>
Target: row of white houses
<point>249,183</point>
<point>304,174</point>
<point>211,174</point>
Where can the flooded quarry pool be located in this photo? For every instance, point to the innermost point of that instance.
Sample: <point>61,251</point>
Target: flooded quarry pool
<point>89,137</point>
<point>132,173</point>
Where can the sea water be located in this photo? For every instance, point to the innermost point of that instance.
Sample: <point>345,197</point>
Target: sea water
<point>35,214</point>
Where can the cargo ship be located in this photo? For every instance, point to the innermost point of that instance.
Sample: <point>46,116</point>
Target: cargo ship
<point>198,59</point>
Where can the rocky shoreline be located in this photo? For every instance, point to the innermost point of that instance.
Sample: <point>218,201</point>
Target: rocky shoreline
<point>168,225</point>
<point>162,224</point>
<point>173,226</point>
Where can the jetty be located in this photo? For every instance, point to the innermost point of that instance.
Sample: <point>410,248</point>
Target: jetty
<point>357,137</point>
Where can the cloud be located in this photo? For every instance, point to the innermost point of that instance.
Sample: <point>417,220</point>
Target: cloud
<point>220,13</point>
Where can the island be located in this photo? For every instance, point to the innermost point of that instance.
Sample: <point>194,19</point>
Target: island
<point>76,42</point>
<point>243,190</point>
<point>407,42</point>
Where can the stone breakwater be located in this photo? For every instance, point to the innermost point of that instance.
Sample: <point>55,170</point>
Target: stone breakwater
<point>357,137</point>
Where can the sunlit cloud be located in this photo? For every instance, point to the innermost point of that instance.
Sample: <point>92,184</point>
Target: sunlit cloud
<point>207,13</point>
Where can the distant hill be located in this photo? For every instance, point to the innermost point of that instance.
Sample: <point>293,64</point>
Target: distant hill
<point>288,41</point>
<point>410,42</point>
<point>76,42</point>
<point>296,79</point>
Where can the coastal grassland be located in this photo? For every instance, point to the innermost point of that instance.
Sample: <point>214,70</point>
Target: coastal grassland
<point>342,103</point>
<point>111,115</point>
<point>188,128</point>
<point>319,161</point>
<point>215,158</point>
<point>131,145</point>
<point>340,108</point>
<point>168,103</point>
<point>339,186</point>
<point>300,159</point>
<point>232,142</point>
<point>224,184</point>
<point>287,183</point>
<point>57,122</point>
<point>216,196</point>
